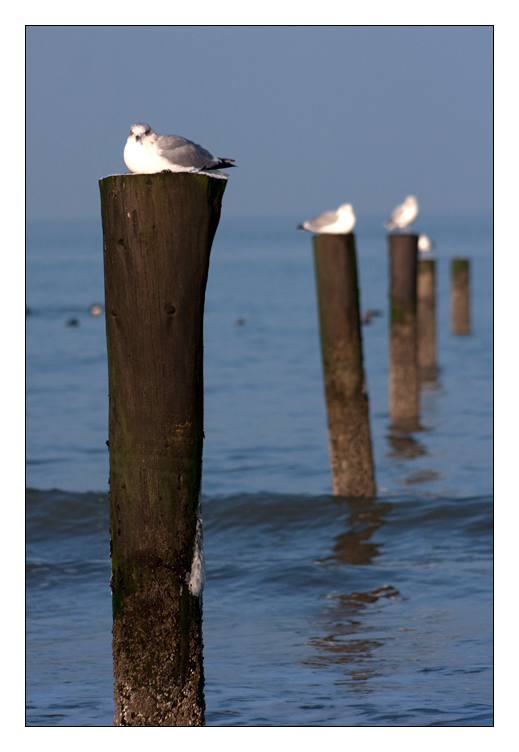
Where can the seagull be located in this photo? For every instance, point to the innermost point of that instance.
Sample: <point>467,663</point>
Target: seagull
<point>146,152</point>
<point>403,215</point>
<point>425,244</point>
<point>332,222</point>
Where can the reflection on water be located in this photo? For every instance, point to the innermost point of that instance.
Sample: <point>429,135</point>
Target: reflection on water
<point>353,546</point>
<point>346,643</point>
<point>403,445</point>
<point>422,476</point>
<point>354,599</point>
<point>429,379</point>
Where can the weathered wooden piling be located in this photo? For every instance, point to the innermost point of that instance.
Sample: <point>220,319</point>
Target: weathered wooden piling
<point>403,366</point>
<point>426,317</point>
<point>351,455</point>
<point>157,230</point>
<point>460,296</point>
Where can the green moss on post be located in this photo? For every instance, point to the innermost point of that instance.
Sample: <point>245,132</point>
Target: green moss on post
<point>158,231</point>
<point>403,365</point>
<point>351,456</point>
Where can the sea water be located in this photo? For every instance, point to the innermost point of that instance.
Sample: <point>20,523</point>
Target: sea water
<point>318,610</point>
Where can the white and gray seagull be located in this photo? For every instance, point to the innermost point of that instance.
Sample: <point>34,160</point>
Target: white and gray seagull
<point>337,222</point>
<point>146,152</point>
<point>403,215</point>
<point>425,244</point>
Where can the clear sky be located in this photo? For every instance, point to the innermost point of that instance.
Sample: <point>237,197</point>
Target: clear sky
<point>315,116</point>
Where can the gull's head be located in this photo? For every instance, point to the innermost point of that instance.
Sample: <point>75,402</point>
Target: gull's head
<point>138,130</point>
<point>411,201</point>
<point>345,209</point>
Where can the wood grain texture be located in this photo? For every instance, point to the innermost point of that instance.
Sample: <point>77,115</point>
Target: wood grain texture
<point>351,455</point>
<point>157,234</point>
<point>460,296</point>
<point>426,315</point>
<point>403,362</point>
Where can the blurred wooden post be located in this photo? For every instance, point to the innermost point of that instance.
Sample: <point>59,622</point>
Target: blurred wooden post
<point>157,230</point>
<point>351,455</point>
<point>460,296</point>
<point>426,316</point>
<point>403,367</point>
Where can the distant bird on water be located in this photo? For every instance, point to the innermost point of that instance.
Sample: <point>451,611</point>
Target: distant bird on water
<point>425,244</point>
<point>146,152</point>
<point>332,222</point>
<point>368,315</point>
<point>403,215</point>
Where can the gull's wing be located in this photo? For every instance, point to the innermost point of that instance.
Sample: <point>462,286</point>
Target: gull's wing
<point>323,220</point>
<point>184,153</point>
<point>397,213</point>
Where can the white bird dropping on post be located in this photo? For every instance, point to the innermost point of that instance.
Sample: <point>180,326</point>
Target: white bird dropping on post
<point>146,152</point>
<point>337,222</point>
<point>403,215</point>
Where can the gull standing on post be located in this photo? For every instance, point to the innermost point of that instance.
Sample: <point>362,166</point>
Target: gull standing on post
<point>146,152</point>
<point>337,222</point>
<point>403,215</point>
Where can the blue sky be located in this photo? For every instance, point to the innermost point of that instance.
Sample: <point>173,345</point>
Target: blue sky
<point>315,116</point>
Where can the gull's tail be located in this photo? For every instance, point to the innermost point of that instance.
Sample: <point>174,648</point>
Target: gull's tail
<point>222,162</point>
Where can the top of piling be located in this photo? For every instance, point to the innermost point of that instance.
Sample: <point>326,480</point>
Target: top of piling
<point>165,177</point>
<point>459,264</point>
<point>175,188</point>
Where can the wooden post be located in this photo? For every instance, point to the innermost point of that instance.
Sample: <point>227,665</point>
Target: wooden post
<point>157,230</point>
<point>460,296</point>
<point>426,317</point>
<point>341,346</point>
<point>403,367</point>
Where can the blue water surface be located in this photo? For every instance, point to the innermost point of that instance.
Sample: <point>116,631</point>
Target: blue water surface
<point>317,610</point>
